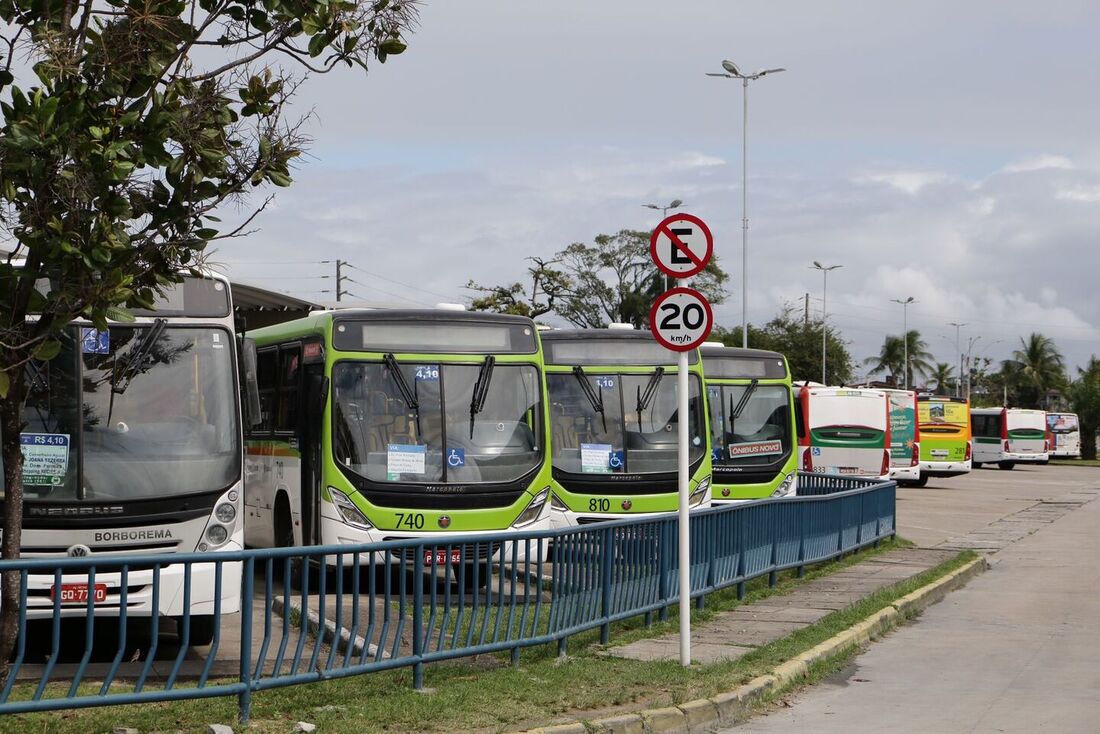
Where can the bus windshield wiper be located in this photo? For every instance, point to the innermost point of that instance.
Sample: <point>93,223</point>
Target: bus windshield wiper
<point>403,387</point>
<point>138,356</point>
<point>645,398</point>
<point>481,389</point>
<point>595,398</point>
<point>735,412</point>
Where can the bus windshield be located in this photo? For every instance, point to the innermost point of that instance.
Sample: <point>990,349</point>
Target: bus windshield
<point>420,422</point>
<point>847,409</point>
<point>157,415</point>
<point>621,423</point>
<point>749,432</point>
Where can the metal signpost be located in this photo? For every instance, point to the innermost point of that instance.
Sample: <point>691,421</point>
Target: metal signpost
<point>681,320</point>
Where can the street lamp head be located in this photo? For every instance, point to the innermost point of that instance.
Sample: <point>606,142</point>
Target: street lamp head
<point>652,206</point>
<point>770,71</point>
<point>818,265</point>
<point>731,67</point>
<point>675,203</point>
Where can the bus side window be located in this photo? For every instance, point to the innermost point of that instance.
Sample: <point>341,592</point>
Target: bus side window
<point>290,363</point>
<point>267,379</point>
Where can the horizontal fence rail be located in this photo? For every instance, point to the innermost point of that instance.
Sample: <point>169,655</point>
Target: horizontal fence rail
<point>324,612</point>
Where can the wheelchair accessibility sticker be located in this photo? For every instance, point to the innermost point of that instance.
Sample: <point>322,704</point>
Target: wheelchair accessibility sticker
<point>456,457</point>
<point>815,451</point>
<point>615,460</point>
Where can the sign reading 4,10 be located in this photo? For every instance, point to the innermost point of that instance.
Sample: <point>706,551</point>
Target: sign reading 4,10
<point>681,319</point>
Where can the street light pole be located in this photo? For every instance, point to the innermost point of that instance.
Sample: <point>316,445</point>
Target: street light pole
<point>674,204</point>
<point>733,72</point>
<point>958,377</point>
<point>905,336</point>
<point>824,304</point>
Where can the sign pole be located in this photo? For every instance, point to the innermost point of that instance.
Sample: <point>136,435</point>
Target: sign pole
<point>685,540</point>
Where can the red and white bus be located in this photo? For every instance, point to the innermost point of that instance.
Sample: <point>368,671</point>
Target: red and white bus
<point>844,430</point>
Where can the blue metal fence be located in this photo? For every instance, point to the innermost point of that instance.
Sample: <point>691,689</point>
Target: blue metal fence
<point>409,603</point>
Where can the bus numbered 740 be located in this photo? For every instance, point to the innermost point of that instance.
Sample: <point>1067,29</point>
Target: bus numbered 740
<point>386,424</point>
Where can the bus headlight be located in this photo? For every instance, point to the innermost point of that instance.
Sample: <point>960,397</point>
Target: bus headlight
<point>533,510</point>
<point>349,513</point>
<point>785,488</point>
<point>217,534</point>
<point>226,513</point>
<point>557,504</point>
<point>699,494</point>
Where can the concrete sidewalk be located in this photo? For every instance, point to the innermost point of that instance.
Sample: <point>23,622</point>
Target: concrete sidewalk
<point>737,632</point>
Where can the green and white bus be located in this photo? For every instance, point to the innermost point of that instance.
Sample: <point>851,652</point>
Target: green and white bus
<point>387,424</point>
<point>752,423</point>
<point>1009,436</point>
<point>613,404</point>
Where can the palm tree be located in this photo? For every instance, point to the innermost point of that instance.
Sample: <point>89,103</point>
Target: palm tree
<point>890,357</point>
<point>920,359</point>
<point>942,375</point>
<point>1037,366</point>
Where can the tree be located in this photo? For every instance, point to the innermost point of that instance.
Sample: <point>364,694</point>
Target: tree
<point>138,122</point>
<point>800,342</point>
<point>548,284</point>
<point>1036,367</point>
<point>1084,395</point>
<point>612,279</point>
<point>891,357</point>
<point>943,377</point>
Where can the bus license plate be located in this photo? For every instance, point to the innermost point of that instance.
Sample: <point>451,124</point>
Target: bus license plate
<point>439,557</point>
<point>78,593</point>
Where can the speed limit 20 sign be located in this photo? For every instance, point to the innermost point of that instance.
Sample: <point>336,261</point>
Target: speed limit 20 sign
<point>681,319</point>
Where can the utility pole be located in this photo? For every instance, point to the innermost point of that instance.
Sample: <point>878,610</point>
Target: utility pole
<point>806,313</point>
<point>958,351</point>
<point>340,278</point>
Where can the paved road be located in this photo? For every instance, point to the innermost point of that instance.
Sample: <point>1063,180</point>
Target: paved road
<point>1017,650</point>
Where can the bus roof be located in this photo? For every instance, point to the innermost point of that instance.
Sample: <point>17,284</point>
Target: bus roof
<point>607,346</point>
<point>721,362</point>
<point>925,397</point>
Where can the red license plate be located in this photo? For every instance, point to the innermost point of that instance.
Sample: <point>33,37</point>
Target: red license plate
<point>78,593</point>
<point>439,557</point>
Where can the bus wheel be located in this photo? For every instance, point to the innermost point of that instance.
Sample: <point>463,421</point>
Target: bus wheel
<point>284,538</point>
<point>1007,465</point>
<point>923,481</point>
<point>203,627</point>
<point>975,465</point>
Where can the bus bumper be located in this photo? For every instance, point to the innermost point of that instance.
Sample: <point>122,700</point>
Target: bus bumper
<point>944,468</point>
<point>905,473</point>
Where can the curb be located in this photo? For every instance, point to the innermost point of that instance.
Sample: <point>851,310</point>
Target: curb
<point>737,705</point>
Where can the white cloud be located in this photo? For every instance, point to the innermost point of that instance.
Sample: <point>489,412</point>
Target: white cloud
<point>1039,163</point>
<point>911,182</point>
<point>1085,194</point>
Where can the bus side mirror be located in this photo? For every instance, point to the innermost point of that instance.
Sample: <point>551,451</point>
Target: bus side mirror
<point>250,383</point>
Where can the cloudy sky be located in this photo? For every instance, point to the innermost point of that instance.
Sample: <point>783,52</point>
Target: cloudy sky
<point>942,150</point>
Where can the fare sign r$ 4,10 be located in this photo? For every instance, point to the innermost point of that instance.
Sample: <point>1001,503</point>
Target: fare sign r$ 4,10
<point>681,319</point>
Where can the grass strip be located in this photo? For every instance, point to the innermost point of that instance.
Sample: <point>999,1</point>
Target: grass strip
<point>486,694</point>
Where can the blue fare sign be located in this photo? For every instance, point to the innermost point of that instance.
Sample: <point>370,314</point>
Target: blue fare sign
<point>94,341</point>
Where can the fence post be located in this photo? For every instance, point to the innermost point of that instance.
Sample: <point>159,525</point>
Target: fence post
<point>773,576</point>
<point>418,616</point>
<point>710,549</point>
<point>607,556</point>
<point>741,532</point>
<point>666,542</point>
<point>802,538</point>
<point>244,700</point>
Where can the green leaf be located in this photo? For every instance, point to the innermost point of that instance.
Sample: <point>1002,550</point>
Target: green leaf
<point>392,47</point>
<point>118,313</point>
<point>5,383</point>
<point>47,350</point>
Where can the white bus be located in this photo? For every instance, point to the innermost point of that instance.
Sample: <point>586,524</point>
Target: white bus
<point>1008,436</point>
<point>133,446</point>
<point>1065,435</point>
<point>844,431</point>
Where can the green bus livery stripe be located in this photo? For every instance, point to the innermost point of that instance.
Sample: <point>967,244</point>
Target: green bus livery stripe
<point>986,439</point>
<point>1032,434</point>
<point>877,441</point>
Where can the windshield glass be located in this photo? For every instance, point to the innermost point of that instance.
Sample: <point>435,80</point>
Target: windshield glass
<point>158,415</point>
<point>626,437</point>
<point>379,435</point>
<point>867,410</point>
<point>760,435</point>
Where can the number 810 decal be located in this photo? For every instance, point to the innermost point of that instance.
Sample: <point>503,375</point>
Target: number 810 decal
<point>681,319</point>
